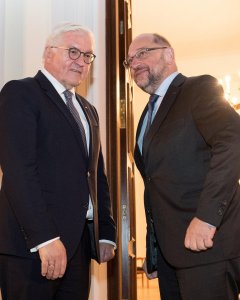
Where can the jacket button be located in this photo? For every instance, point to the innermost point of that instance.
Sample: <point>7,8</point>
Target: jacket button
<point>85,205</point>
<point>24,233</point>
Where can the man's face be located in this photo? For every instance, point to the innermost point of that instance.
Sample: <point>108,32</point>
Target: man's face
<point>150,69</point>
<point>68,72</point>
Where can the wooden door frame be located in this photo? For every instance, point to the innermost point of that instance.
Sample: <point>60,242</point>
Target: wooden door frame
<point>113,140</point>
<point>122,270</point>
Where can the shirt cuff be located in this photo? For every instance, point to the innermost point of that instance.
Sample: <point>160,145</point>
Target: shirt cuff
<point>109,242</point>
<point>210,225</point>
<point>35,249</point>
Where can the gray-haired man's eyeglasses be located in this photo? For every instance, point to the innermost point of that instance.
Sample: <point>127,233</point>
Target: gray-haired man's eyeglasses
<point>75,53</point>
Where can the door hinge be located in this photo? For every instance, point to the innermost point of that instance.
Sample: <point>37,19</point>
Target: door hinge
<point>121,27</point>
<point>124,212</point>
<point>122,113</point>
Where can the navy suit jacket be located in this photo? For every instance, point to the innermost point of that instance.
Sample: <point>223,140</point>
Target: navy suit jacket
<point>47,177</point>
<point>191,168</point>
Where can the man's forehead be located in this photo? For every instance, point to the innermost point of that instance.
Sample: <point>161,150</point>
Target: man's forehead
<point>144,38</point>
<point>76,37</point>
<point>143,41</point>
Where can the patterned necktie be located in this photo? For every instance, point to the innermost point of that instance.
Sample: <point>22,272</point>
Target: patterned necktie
<point>68,95</point>
<point>152,100</point>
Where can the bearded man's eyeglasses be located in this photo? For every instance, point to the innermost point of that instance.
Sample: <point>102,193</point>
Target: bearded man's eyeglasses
<point>140,55</point>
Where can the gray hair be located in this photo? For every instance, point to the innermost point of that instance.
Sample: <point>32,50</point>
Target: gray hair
<point>66,27</point>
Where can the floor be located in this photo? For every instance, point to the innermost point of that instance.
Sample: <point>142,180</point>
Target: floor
<point>144,292</point>
<point>150,292</point>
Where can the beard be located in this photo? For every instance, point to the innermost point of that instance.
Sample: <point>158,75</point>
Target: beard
<point>151,83</point>
<point>149,79</point>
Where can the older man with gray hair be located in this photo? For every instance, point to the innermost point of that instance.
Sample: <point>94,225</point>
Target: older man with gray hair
<point>55,210</point>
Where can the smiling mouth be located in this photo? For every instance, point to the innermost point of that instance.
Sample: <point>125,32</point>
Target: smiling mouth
<point>76,71</point>
<point>140,71</point>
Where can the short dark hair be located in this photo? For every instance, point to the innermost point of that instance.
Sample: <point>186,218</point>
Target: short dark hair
<point>159,39</point>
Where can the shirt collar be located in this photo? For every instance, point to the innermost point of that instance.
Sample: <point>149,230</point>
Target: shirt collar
<point>57,85</point>
<point>162,89</point>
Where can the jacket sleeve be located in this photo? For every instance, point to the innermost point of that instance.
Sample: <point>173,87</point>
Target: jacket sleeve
<point>18,158</point>
<point>219,125</point>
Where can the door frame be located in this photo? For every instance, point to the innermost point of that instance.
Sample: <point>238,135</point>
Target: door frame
<point>120,166</point>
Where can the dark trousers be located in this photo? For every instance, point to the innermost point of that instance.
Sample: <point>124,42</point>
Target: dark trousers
<point>21,278</point>
<point>217,281</point>
<point>168,283</point>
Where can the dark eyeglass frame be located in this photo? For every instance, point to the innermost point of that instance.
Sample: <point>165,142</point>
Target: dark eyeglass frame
<point>128,61</point>
<point>88,57</point>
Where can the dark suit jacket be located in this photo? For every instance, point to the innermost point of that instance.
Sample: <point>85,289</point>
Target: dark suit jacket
<point>47,177</point>
<point>191,168</point>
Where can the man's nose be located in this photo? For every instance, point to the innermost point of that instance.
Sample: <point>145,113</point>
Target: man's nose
<point>135,63</point>
<point>80,60</point>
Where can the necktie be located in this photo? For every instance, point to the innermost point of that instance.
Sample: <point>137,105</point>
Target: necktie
<point>68,95</point>
<point>152,100</point>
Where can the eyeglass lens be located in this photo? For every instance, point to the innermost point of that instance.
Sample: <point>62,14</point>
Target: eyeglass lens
<point>76,53</point>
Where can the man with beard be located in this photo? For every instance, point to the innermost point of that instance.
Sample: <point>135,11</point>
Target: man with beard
<point>187,151</point>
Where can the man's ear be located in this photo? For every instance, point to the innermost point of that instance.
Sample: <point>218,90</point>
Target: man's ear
<point>48,53</point>
<point>169,55</point>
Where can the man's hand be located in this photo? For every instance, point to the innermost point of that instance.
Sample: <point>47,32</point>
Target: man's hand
<point>106,252</point>
<point>54,260</point>
<point>149,276</point>
<point>199,235</point>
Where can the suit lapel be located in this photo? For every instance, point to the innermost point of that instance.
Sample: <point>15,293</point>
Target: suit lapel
<point>141,122</point>
<point>57,100</point>
<point>163,110</point>
<point>137,153</point>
